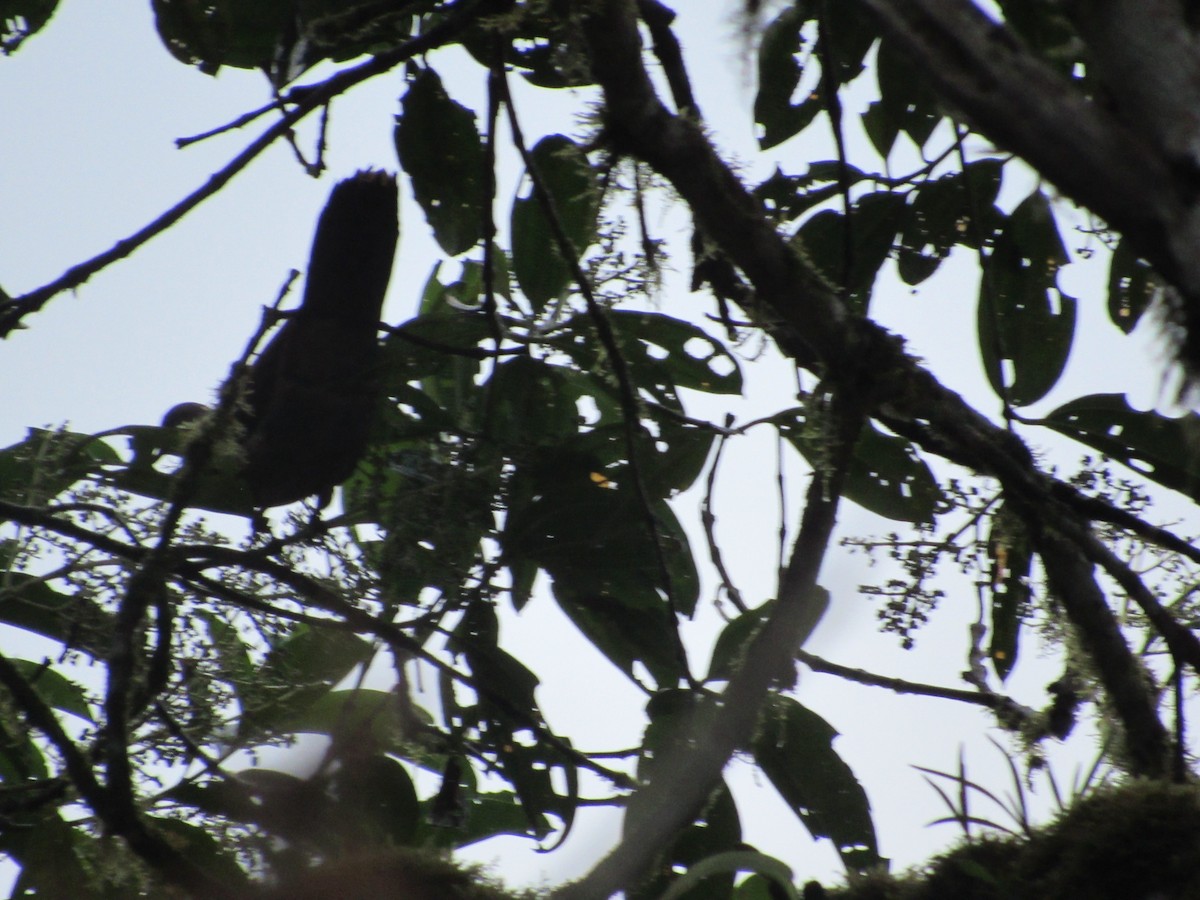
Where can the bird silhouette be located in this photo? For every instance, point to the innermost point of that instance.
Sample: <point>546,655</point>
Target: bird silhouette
<point>312,391</point>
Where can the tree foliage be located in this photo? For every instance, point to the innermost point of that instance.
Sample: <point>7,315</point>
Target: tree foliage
<point>538,425</point>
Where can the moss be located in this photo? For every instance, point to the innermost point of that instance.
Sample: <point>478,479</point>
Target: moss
<point>1138,840</point>
<point>403,874</point>
<point>1128,842</point>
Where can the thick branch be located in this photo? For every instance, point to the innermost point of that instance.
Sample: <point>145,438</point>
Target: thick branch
<point>1072,582</point>
<point>684,778</point>
<point>798,303</point>
<point>1147,55</point>
<point>1137,167</point>
<point>1024,105</point>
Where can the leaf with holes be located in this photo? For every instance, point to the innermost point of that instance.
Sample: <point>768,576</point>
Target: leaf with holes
<point>1132,287</point>
<point>794,747</point>
<point>1025,322</point>
<point>1011,558</point>
<point>440,149</point>
<point>944,215</point>
<point>779,75</point>
<point>887,476</point>
<point>1162,449</point>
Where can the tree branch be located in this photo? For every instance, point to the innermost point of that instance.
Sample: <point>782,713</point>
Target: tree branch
<point>1009,708</point>
<point>797,303</point>
<point>1136,167</point>
<point>145,843</point>
<point>1021,103</point>
<point>1147,55</point>
<point>14,310</point>
<point>1129,688</point>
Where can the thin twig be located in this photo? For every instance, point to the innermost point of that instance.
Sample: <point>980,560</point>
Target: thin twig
<point>458,16</point>
<point>240,122</point>
<point>709,520</point>
<point>991,700</point>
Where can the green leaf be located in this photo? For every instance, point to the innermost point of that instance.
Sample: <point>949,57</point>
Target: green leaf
<point>435,346</point>
<point>672,463</point>
<point>533,770</point>
<point>51,854</point>
<point>943,215</point>
<point>234,664</point>
<point>54,688</point>
<point>585,523</point>
<point>735,638</point>
<point>540,44</point>
<point>732,862</point>
<point>881,125</point>
<point>1025,321</point>
<point>681,564</point>
<point>1132,287</point>
<point>630,627</point>
<point>567,514</point>
<point>29,603</point>
<point>716,828</point>
<point>524,575</point>
<point>875,220</point>
<point>886,475</point>
<point>21,19</point>
<point>764,887</point>
<point>485,815</point>
<point>21,760</point>
<point>730,649</point>
<point>906,103</point>
<point>201,847</point>
<point>788,197</point>
<point>570,181</point>
<point>358,712</point>
<point>467,293</point>
<point>665,353</point>
<point>532,402</point>
<point>779,74</point>
<point>282,37</point>
<point>504,712</point>
<point>440,149</point>
<point>48,462</point>
<point>1011,560</point>
<point>433,498</point>
<point>715,833</point>
<point>224,32</point>
<point>1158,447</point>
<point>298,671</point>
<point>475,638</point>
<point>662,356</point>
<point>847,35</point>
<point>441,353</point>
<point>374,802</point>
<point>794,747</point>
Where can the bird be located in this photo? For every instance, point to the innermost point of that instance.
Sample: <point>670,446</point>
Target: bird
<point>311,393</point>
